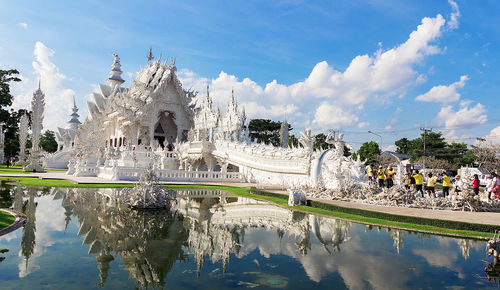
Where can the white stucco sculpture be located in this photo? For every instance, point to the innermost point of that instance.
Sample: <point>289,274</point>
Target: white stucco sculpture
<point>23,137</point>
<point>188,138</point>
<point>2,143</point>
<point>37,108</point>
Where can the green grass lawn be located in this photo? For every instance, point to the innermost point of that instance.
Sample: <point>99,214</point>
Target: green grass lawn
<point>6,219</point>
<point>19,170</point>
<point>362,216</point>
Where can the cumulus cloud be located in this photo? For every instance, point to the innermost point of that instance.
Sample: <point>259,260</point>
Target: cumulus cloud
<point>363,124</point>
<point>494,136</point>
<point>444,94</point>
<point>273,111</point>
<point>58,98</point>
<point>464,116</point>
<point>374,77</point>
<point>23,25</point>
<point>453,22</point>
<point>333,117</point>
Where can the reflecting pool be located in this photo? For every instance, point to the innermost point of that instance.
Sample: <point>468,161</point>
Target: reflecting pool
<point>81,238</point>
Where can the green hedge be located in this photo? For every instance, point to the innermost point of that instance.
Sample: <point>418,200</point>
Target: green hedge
<point>390,217</point>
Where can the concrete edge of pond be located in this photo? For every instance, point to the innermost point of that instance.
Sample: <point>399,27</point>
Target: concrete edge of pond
<point>390,211</point>
<point>20,220</point>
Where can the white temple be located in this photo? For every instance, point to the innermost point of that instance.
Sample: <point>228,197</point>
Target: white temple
<point>156,121</point>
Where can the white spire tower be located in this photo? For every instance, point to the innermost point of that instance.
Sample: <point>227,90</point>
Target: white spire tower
<point>115,75</point>
<point>74,123</point>
<point>37,108</point>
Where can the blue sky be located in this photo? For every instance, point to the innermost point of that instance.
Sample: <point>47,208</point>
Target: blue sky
<point>386,66</point>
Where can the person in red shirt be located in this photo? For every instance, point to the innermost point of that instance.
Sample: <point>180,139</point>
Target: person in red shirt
<point>476,184</point>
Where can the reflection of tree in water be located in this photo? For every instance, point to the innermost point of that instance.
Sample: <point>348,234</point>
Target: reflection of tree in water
<point>148,242</point>
<point>492,271</point>
<point>5,195</point>
<point>29,229</point>
<point>3,251</point>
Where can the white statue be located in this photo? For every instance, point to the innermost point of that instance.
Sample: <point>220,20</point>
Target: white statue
<point>37,108</point>
<point>2,143</point>
<point>23,137</point>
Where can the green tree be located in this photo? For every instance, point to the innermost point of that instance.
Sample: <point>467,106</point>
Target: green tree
<point>265,131</point>
<point>456,154</point>
<point>11,133</point>
<point>48,141</point>
<point>320,142</point>
<point>368,152</point>
<point>11,142</point>
<point>293,141</point>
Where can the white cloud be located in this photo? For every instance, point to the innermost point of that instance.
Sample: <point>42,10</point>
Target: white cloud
<point>464,116</point>
<point>453,22</point>
<point>58,99</point>
<point>273,111</point>
<point>332,116</point>
<point>444,94</point>
<point>23,25</point>
<point>377,77</point>
<point>494,136</point>
<point>363,124</point>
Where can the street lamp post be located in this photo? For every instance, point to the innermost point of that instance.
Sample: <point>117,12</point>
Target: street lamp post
<point>380,144</point>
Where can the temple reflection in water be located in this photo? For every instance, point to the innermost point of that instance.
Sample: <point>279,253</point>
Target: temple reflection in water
<point>204,225</point>
<point>210,224</point>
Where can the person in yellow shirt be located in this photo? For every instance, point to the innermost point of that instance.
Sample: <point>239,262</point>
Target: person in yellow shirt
<point>407,180</point>
<point>446,184</point>
<point>371,175</point>
<point>390,176</point>
<point>431,183</point>
<point>418,182</point>
<point>380,176</point>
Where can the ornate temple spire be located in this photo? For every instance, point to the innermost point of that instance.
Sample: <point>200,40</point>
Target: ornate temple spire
<point>74,123</point>
<point>37,108</point>
<point>115,79</point>
<point>150,55</point>
<point>284,133</point>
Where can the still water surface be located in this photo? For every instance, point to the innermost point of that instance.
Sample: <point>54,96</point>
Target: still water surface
<point>79,239</point>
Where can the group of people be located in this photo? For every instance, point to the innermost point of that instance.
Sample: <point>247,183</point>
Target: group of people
<point>493,186</point>
<point>385,177</point>
<point>416,180</point>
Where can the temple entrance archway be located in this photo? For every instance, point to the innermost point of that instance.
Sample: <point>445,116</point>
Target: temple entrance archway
<point>165,130</point>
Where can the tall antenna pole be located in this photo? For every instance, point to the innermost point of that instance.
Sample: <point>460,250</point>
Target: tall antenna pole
<point>425,133</point>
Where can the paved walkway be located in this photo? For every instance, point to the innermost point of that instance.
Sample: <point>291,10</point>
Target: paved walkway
<point>488,218</point>
<point>18,222</point>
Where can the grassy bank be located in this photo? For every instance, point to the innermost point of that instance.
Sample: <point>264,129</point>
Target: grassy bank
<point>33,181</point>
<point>19,170</point>
<point>357,215</point>
<point>6,219</point>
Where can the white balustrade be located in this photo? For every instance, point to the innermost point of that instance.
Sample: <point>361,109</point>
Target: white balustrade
<point>131,173</point>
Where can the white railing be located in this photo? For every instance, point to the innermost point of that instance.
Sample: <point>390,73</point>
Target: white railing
<point>86,171</point>
<point>131,173</point>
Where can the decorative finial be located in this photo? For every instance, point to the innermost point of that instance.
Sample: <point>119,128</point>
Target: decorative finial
<point>150,55</point>
<point>115,78</point>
